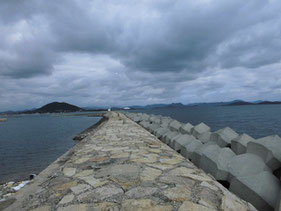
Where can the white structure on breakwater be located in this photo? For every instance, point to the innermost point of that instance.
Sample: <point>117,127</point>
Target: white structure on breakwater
<point>250,168</point>
<point>3,119</point>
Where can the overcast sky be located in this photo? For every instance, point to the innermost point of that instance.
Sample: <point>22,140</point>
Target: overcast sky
<point>128,52</point>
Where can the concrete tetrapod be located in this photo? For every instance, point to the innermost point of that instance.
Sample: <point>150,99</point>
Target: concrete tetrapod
<point>187,150</point>
<point>175,125</point>
<point>162,136</point>
<point>214,160</point>
<point>278,202</point>
<point>155,119</point>
<point>172,140</point>
<point>145,117</point>
<point>152,127</point>
<point>199,129</point>
<point>269,149</point>
<point>246,165</point>
<point>181,141</point>
<point>239,144</point>
<point>151,118</point>
<point>144,124</point>
<point>261,189</point>
<point>186,128</point>
<point>129,115</point>
<point>132,116</point>
<point>165,121</point>
<point>168,136</point>
<point>224,136</point>
<point>247,181</point>
<point>161,131</point>
<point>136,118</point>
<point>196,156</point>
<point>205,137</point>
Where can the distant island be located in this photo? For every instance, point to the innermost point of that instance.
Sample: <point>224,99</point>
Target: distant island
<point>241,103</point>
<point>180,105</point>
<point>56,107</point>
<point>269,102</point>
<point>63,107</point>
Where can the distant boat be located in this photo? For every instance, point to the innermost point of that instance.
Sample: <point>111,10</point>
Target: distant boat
<point>126,108</point>
<point>3,119</point>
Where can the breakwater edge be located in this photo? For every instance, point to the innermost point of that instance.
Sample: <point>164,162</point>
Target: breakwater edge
<point>246,166</point>
<point>31,142</point>
<point>121,166</point>
<point>9,188</point>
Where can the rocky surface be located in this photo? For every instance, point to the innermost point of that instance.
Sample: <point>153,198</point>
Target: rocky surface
<point>121,166</point>
<point>8,191</point>
<point>247,167</point>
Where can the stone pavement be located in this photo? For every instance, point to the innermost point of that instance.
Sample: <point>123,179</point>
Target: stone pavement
<point>121,166</point>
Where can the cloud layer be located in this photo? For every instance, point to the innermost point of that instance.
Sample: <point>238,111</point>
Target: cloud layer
<point>138,52</point>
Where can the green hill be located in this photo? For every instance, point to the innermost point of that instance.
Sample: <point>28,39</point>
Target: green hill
<point>57,107</point>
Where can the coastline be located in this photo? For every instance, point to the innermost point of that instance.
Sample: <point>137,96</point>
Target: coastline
<point>90,176</point>
<point>17,177</point>
<point>8,188</point>
<point>90,129</point>
<point>117,141</point>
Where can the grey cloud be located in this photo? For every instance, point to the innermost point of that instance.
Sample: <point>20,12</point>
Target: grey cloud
<point>27,64</point>
<point>254,47</point>
<point>26,48</point>
<point>174,37</point>
<point>13,11</point>
<point>163,51</point>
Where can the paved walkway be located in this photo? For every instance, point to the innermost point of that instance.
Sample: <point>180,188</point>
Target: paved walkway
<point>121,166</point>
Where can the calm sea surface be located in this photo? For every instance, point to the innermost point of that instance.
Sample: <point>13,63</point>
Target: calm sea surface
<point>28,144</point>
<point>257,121</point>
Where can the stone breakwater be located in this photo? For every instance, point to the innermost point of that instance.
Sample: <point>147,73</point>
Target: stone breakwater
<point>248,167</point>
<point>121,166</point>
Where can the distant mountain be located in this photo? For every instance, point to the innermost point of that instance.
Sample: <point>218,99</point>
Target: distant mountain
<point>57,107</point>
<point>151,106</point>
<point>269,102</point>
<point>241,102</point>
<point>17,112</point>
<point>175,105</point>
<point>207,104</point>
<point>238,103</point>
<point>7,112</point>
<point>257,101</point>
<point>155,106</point>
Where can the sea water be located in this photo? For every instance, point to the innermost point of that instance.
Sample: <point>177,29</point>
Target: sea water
<point>255,120</point>
<point>29,143</point>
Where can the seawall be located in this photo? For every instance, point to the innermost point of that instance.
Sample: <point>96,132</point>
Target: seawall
<point>122,166</point>
<point>248,167</point>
